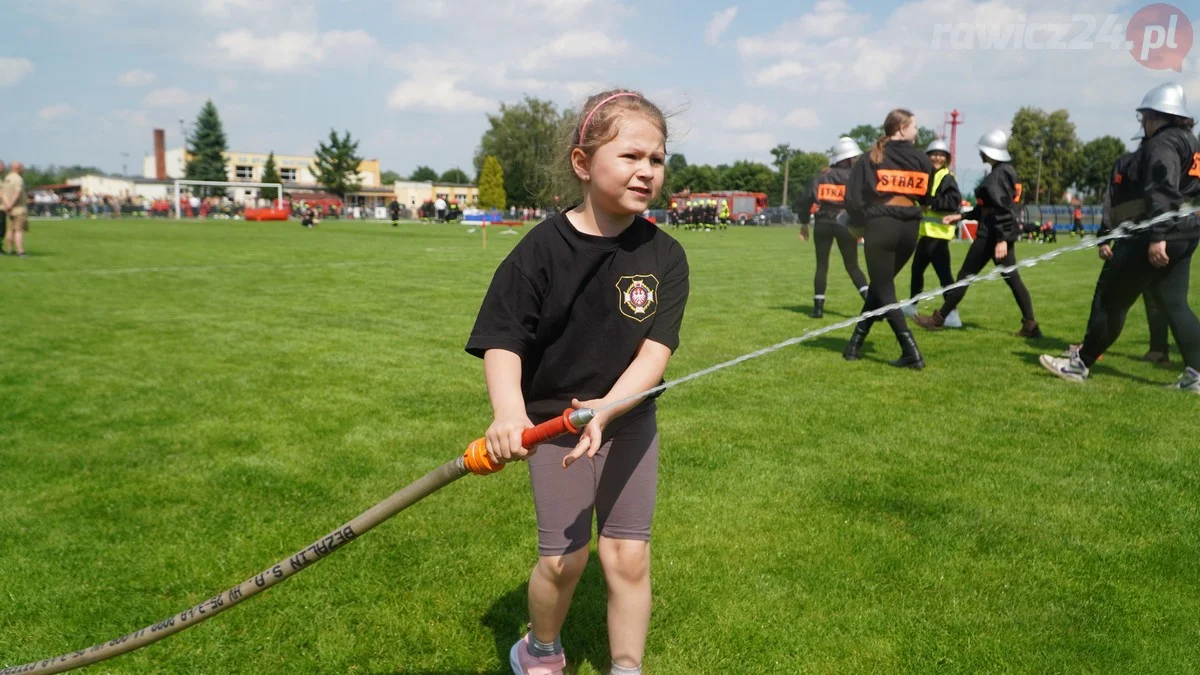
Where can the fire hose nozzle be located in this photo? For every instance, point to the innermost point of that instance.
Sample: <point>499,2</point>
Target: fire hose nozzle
<point>581,418</point>
<point>477,460</point>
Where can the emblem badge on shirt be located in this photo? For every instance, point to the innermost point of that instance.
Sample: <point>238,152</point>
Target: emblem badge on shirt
<point>638,296</point>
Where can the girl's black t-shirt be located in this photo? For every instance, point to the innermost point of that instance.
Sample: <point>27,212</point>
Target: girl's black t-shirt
<point>576,307</point>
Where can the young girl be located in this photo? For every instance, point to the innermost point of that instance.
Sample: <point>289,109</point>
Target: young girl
<point>995,208</point>
<point>584,312</point>
<point>933,247</point>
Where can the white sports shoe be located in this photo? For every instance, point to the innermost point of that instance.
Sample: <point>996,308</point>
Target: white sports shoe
<point>1188,381</point>
<point>1070,369</point>
<point>953,320</point>
<point>910,310</point>
<point>1071,351</point>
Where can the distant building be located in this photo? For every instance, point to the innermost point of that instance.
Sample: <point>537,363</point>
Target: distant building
<point>413,193</point>
<point>120,186</point>
<point>295,172</point>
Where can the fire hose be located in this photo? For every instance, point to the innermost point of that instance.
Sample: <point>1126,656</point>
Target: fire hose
<point>475,461</point>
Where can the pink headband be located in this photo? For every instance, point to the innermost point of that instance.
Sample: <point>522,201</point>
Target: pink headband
<point>586,120</point>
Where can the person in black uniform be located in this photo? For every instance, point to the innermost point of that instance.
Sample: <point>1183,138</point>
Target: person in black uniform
<point>828,193</point>
<point>934,245</point>
<point>394,211</point>
<point>885,192</point>
<point>1159,259</point>
<point>995,205</point>
<point>1123,203</point>
<point>1160,344</point>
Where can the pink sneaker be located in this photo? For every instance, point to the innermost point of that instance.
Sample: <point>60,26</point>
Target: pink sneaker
<point>524,663</point>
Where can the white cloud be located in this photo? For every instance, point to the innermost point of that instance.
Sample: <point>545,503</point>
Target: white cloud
<point>803,118</point>
<point>745,144</point>
<point>434,92</point>
<point>263,15</point>
<point>136,78</point>
<point>580,90</point>
<point>747,116</point>
<point>830,19</point>
<point>227,84</point>
<point>495,17</point>
<point>238,112</point>
<point>432,9</point>
<point>224,8</point>
<point>13,70</point>
<point>829,49</point>
<point>54,112</point>
<point>574,45</point>
<point>128,119</point>
<point>719,24</point>
<point>780,72</point>
<point>170,97</point>
<point>829,69</point>
<point>292,50</point>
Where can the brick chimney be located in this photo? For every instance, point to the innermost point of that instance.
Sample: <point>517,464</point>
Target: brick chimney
<point>160,154</point>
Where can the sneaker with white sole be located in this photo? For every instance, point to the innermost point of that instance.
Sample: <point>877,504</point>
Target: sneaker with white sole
<point>524,663</point>
<point>1070,369</point>
<point>1188,381</point>
<point>953,320</point>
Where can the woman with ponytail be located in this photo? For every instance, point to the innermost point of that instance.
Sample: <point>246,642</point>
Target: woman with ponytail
<point>884,196</point>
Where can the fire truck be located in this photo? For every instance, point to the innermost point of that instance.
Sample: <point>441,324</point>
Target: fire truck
<point>742,205</point>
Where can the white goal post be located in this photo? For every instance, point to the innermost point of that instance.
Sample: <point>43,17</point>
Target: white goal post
<point>221,183</point>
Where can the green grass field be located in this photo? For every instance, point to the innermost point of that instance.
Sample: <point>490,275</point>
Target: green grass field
<point>185,404</point>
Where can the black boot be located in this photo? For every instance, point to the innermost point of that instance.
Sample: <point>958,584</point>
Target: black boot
<point>863,293</point>
<point>910,356</point>
<point>818,308</point>
<point>853,350</point>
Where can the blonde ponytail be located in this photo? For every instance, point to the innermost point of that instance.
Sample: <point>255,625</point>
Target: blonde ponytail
<point>896,120</point>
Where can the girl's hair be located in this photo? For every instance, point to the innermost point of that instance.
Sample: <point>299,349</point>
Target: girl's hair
<point>1186,123</point>
<point>591,127</point>
<point>896,120</point>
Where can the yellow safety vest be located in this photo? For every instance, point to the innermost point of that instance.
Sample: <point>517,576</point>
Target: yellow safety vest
<point>931,221</point>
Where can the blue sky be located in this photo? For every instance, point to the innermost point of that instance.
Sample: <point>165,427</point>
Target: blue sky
<point>84,81</point>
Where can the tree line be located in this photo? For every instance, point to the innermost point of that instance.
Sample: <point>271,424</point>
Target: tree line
<point>1048,155</point>
<point>425,173</point>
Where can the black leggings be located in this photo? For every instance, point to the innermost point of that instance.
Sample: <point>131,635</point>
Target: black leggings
<point>1130,274</point>
<point>824,234</point>
<point>931,251</point>
<point>889,244</point>
<point>1155,316</point>
<point>981,252</point>
<point>1159,325</point>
